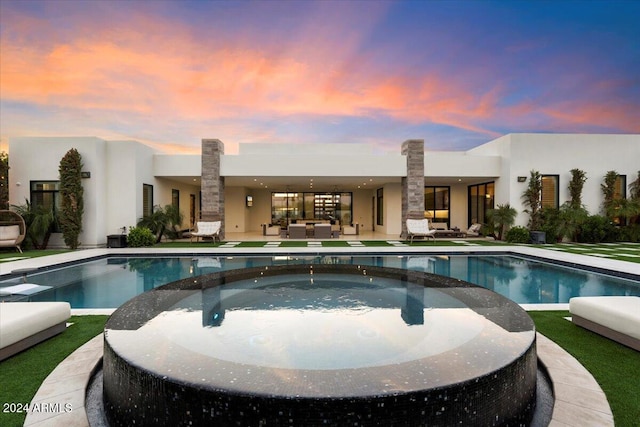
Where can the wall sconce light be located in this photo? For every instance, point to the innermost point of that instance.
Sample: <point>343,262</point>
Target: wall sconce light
<point>522,178</point>
<point>85,174</point>
<point>249,201</point>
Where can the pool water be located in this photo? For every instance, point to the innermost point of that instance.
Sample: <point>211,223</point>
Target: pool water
<point>110,282</point>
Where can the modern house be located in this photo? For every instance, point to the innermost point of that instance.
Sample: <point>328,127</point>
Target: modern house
<point>348,183</point>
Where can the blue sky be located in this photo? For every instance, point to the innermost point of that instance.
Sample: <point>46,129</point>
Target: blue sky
<point>454,73</point>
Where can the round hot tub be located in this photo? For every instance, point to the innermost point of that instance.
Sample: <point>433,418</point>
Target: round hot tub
<point>319,345</point>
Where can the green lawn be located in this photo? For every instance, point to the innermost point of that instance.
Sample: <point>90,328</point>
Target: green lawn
<point>615,367</point>
<point>9,255</point>
<point>629,252</point>
<point>22,374</point>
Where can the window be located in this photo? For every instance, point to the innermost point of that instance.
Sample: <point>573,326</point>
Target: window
<point>46,194</point>
<point>549,196</point>
<point>175,198</point>
<point>436,204</point>
<point>620,192</point>
<point>287,207</point>
<point>481,198</point>
<point>620,186</point>
<point>147,200</point>
<point>380,206</point>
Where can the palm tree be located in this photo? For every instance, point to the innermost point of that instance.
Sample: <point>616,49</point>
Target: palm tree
<point>500,218</point>
<point>578,178</point>
<point>609,193</point>
<point>163,221</point>
<point>40,223</point>
<point>532,198</point>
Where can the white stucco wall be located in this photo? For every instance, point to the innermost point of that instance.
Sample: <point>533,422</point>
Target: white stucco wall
<point>177,165</point>
<point>392,202</point>
<point>460,165</point>
<point>260,212</point>
<point>128,167</point>
<point>236,215</point>
<point>459,212</point>
<point>301,164</point>
<point>38,159</point>
<point>557,154</point>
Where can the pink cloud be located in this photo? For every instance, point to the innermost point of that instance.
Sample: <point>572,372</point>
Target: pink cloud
<point>139,65</point>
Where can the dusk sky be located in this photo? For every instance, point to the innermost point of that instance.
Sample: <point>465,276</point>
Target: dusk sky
<point>454,73</point>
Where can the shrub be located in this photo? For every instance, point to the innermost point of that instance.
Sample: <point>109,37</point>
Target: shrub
<point>596,229</point>
<point>140,236</point>
<point>551,224</point>
<point>518,235</point>
<point>629,233</point>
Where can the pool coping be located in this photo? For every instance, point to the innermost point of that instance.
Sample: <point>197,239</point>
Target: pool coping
<point>578,399</point>
<point>613,267</point>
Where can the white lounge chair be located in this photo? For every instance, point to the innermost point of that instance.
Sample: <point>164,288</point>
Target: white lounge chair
<point>474,230</point>
<point>24,324</point>
<point>419,228</point>
<point>615,317</point>
<point>207,229</point>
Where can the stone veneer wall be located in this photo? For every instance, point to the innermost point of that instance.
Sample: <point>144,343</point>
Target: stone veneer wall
<point>212,186</point>
<point>413,183</point>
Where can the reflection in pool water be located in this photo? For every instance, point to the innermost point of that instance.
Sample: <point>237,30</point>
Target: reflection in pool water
<point>108,283</point>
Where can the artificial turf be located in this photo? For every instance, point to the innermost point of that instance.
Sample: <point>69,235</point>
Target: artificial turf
<point>615,367</point>
<point>32,253</point>
<point>22,374</point>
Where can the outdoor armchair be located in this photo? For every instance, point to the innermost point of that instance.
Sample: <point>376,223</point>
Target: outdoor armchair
<point>419,228</point>
<point>207,229</point>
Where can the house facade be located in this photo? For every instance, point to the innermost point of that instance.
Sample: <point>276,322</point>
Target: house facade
<point>348,183</point>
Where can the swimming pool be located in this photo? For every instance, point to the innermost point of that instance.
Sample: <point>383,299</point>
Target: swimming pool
<point>111,281</point>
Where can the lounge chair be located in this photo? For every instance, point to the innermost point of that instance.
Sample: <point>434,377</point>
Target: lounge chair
<point>615,317</point>
<point>419,228</point>
<point>207,229</point>
<point>474,230</point>
<point>24,324</point>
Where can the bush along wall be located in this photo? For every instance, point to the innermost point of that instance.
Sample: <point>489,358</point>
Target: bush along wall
<point>72,198</point>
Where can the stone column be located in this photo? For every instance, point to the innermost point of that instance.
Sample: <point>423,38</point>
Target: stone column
<point>413,183</point>
<point>212,185</point>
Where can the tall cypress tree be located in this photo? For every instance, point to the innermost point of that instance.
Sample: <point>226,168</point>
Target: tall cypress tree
<point>72,195</point>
